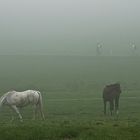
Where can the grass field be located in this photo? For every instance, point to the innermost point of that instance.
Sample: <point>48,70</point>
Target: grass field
<point>72,97</point>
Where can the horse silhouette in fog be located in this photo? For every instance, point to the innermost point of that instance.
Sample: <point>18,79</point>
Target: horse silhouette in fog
<point>16,100</point>
<point>111,94</point>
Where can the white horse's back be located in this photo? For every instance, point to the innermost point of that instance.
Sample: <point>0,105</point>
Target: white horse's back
<point>23,98</point>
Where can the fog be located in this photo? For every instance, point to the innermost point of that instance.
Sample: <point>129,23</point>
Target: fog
<point>69,27</point>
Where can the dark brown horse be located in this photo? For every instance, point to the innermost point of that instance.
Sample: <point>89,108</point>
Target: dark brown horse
<point>111,94</point>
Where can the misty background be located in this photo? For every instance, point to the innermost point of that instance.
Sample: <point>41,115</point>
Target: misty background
<point>69,27</point>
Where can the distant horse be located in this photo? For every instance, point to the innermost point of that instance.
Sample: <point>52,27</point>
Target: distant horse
<point>16,100</point>
<point>111,94</point>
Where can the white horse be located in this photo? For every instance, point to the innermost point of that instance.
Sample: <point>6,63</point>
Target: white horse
<point>17,100</point>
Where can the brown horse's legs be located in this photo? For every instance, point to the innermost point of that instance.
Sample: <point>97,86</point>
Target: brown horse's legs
<point>104,107</point>
<point>117,105</point>
<point>111,107</point>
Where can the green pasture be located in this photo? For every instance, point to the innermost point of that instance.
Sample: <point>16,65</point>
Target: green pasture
<point>72,95</point>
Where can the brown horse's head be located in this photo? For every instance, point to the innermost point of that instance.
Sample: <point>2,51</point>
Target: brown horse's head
<point>117,87</point>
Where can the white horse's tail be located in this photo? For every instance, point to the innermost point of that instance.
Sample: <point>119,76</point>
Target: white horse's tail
<point>40,103</point>
<point>40,99</point>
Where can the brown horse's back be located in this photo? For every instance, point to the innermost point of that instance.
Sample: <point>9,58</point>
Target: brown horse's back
<point>110,92</point>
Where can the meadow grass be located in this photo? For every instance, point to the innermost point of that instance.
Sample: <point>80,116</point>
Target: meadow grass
<point>79,119</point>
<point>72,96</point>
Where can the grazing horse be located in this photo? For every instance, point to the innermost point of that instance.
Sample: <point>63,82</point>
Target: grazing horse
<point>17,100</point>
<point>111,94</point>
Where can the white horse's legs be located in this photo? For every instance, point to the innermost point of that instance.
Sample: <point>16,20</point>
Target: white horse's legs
<point>41,112</point>
<point>42,115</point>
<point>35,112</point>
<point>36,109</point>
<point>17,111</point>
<point>12,115</point>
